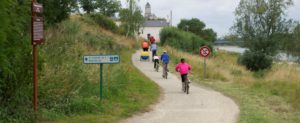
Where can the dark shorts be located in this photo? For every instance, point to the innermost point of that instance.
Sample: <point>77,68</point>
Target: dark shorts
<point>183,77</point>
<point>145,49</point>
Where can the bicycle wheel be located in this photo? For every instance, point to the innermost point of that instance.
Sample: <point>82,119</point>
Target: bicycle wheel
<point>183,86</point>
<point>187,87</point>
<point>166,75</point>
<point>156,67</point>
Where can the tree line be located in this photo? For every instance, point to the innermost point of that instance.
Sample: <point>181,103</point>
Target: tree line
<point>264,28</point>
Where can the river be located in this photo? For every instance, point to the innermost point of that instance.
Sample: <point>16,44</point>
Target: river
<point>280,56</point>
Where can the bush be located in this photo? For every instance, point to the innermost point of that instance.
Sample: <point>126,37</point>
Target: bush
<point>182,40</point>
<point>255,61</point>
<point>104,22</point>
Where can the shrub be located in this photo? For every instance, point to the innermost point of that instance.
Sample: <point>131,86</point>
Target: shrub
<point>104,22</point>
<point>182,40</point>
<point>255,61</point>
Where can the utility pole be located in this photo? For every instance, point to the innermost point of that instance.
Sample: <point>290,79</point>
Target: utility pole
<point>171,17</point>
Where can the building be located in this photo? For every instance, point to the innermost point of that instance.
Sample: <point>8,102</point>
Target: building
<point>153,24</point>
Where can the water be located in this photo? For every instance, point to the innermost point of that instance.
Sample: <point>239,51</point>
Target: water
<point>280,56</point>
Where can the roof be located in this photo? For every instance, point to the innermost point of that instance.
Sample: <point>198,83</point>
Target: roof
<point>148,4</point>
<point>156,23</point>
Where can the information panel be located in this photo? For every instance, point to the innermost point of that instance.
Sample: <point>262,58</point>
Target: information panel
<point>102,59</point>
<point>37,30</point>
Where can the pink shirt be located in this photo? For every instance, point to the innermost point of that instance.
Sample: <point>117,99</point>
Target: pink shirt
<point>183,68</point>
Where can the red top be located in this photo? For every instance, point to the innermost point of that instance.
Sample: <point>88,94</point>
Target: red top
<point>152,40</point>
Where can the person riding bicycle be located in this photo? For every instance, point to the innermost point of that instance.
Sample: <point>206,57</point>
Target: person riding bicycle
<point>156,60</point>
<point>152,39</point>
<point>184,69</point>
<point>145,45</point>
<point>153,49</point>
<point>165,61</point>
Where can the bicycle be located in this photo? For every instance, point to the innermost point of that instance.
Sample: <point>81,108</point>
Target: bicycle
<point>165,71</point>
<point>156,66</point>
<point>185,85</point>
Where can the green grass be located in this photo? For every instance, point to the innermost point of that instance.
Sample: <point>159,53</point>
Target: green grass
<point>69,89</point>
<point>270,96</point>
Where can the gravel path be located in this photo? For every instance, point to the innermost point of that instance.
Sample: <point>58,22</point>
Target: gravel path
<point>202,105</point>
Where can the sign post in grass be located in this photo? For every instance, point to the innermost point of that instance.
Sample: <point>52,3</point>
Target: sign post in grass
<point>101,59</point>
<point>205,52</point>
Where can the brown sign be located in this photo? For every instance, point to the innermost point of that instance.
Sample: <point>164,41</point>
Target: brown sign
<point>37,30</point>
<point>37,8</point>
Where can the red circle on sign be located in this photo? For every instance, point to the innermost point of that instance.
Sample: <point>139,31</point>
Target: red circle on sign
<point>205,51</point>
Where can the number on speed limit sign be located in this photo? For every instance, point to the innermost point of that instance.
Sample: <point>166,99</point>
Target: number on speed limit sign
<point>205,51</point>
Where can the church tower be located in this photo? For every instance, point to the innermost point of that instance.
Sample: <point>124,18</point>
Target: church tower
<point>148,10</point>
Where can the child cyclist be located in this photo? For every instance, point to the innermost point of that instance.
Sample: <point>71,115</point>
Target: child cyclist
<point>156,60</point>
<point>184,69</point>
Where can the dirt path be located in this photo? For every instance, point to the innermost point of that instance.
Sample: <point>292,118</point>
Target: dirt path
<point>202,105</point>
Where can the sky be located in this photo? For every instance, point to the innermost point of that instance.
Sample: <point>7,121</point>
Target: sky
<point>216,14</point>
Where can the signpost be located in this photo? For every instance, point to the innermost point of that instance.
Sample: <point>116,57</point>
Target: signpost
<point>37,37</point>
<point>205,52</point>
<point>101,59</point>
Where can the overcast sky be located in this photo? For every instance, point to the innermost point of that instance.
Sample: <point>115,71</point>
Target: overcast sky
<point>216,14</point>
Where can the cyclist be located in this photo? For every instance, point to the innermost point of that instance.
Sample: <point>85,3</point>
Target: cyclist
<point>156,60</point>
<point>153,49</point>
<point>165,61</point>
<point>152,39</point>
<point>148,36</point>
<point>184,69</point>
<point>145,46</point>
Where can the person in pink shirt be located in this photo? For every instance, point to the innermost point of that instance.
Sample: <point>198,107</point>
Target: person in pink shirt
<point>184,69</point>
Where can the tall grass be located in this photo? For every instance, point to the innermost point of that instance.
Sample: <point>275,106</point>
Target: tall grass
<point>69,89</point>
<point>264,97</point>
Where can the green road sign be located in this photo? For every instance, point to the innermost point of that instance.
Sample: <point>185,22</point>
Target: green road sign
<point>101,59</point>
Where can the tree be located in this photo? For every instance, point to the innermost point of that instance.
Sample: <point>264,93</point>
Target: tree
<point>108,7</point>
<point>258,23</point>
<point>197,27</point>
<point>88,5</point>
<point>15,61</point>
<point>132,18</point>
<point>209,35</point>
<point>57,10</point>
<point>292,43</point>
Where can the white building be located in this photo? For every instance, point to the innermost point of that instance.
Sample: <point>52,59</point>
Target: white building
<point>152,25</point>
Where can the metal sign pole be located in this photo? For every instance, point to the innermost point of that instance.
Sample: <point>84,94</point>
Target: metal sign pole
<point>204,67</point>
<point>101,81</point>
<point>101,59</point>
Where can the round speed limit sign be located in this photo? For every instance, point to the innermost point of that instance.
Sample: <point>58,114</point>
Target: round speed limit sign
<point>205,51</point>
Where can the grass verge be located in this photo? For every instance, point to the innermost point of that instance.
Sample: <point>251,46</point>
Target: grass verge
<point>69,89</point>
<point>270,96</point>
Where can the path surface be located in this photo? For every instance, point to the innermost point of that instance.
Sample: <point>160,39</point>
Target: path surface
<point>202,105</point>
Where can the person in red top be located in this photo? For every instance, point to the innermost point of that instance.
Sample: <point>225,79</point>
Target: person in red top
<point>145,46</point>
<point>152,40</point>
<point>184,69</point>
